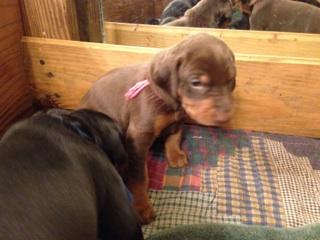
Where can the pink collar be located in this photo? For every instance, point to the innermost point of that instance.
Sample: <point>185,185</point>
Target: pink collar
<point>136,89</point>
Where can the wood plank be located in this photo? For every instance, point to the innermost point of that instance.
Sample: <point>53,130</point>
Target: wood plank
<point>137,11</point>
<point>159,6</point>
<point>273,94</point>
<point>240,41</point>
<point>9,34</point>
<point>10,12</point>
<point>90,20</point>
<point>15,94</point>
<point>50,19</point>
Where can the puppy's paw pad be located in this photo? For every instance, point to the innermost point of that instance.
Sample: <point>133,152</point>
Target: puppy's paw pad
<point>147,215</point>
<point>178,160</point>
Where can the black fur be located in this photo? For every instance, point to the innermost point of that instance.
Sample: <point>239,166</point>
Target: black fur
<point>57,180</point>
<point>176,9</point>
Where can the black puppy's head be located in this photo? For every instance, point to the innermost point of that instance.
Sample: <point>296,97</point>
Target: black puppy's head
<point>97,128</point>
<point>175,9</point>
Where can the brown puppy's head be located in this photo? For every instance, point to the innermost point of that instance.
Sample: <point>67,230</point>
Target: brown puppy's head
<point>199,75</point>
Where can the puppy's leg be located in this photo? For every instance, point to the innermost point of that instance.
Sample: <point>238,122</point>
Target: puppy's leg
<point>117,218</point>
<point>182,22</point>
<point>141,200</point>
<point>138,146</point>
<point>177,158</point>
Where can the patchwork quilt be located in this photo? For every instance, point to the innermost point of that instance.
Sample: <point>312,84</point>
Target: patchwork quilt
<point>238,177</point>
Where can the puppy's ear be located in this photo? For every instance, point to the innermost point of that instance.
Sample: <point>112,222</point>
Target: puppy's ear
<point>164,72</point>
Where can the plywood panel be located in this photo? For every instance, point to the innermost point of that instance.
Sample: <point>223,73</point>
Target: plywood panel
<point>50,19</point>
<point>137,11</point>
<point>273,94</point>
<point>248,42</point>
<point>90,20</point>
<point>15,95</point>
<point>9,12</point>
<point>64,19</point>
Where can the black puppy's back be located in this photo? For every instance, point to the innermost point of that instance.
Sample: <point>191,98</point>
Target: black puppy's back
<point>55,185</point>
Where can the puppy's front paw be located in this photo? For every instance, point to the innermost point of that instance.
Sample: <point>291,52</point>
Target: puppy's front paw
<point>177,158</point>
<point>145,211</point>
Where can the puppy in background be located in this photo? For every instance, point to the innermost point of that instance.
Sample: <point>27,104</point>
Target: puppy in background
<point>206,13</point>
<point>176,9</point>
<point>284,16</point>
<point>57,180</point>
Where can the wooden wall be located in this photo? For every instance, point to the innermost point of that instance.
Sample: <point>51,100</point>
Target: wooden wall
<point>159,5</point>
<point>50,19</point>
<point>278,94</point>
<point>137,11</point>
<point>15,94</point>
<point>64,19</point>
<point>240,41</point>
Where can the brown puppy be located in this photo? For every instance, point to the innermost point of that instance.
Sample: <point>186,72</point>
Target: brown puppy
<point>285,16</point>
<point>205,13</point>
<point>196,77</point>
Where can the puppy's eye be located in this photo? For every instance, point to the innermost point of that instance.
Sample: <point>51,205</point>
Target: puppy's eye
<point>196,82</point>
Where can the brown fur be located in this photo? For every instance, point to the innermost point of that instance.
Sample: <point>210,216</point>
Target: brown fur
<point>200,68</point>
<point>205,14</point>
<point>285,16</point>
<point>177,158</point>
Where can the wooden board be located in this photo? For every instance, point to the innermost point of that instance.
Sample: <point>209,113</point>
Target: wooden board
<point>273,94</point>
<point>90,20</point>
<point>15,95</point>
<point>159,6</point>
<point>137,11</point>
<point>64,19</point>
<point>240,41</point>
<point>50,19</point>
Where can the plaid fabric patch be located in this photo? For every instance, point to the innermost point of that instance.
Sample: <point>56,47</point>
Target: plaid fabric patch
<point>209,180</point>
<point>237,176</point>
<point>204,147</point>
<point>299,185</point>
<point>183,179</point>
<point>247,187</point>
<point>175,208</point>
<point>300,147</point>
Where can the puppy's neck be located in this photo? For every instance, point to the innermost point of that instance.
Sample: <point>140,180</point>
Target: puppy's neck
<point>172,103</point>
<point>76,126</point>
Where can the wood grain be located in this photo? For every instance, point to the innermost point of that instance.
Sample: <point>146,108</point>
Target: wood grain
<point>50,19</point>
<point>15,94</point>
<point>137,11</point>
<point>247,42</point>
<point>159,6</point>
<point>273,94</point>
<point>90,20</point>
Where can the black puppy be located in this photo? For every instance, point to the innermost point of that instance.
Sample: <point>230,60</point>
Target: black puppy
<point>57,180</point>
<point>176,9</point>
